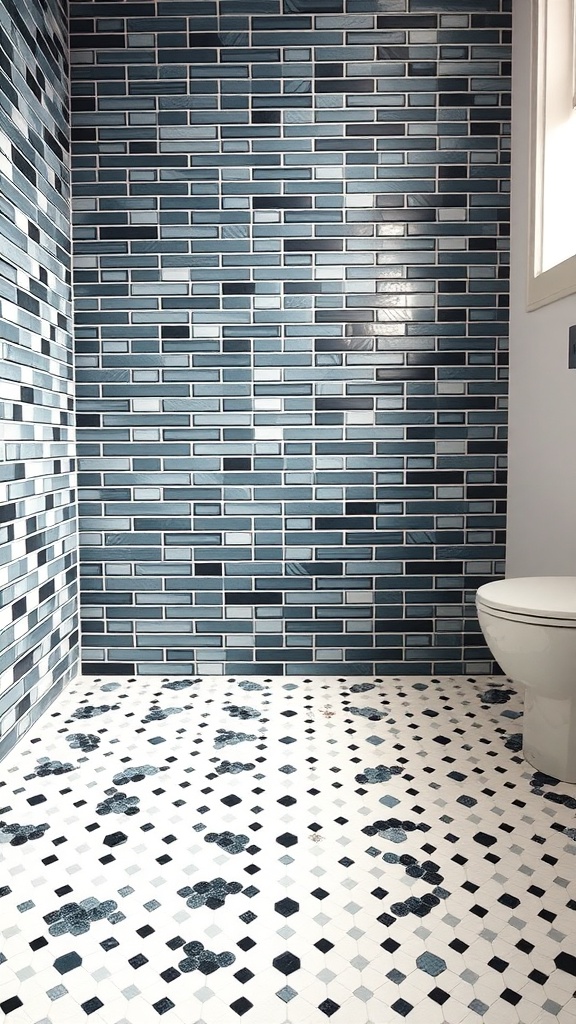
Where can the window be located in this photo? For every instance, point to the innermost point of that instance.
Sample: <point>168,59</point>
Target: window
<point>552,265</point>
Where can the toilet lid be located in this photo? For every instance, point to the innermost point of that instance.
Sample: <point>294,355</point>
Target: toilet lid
<point>547,596</point>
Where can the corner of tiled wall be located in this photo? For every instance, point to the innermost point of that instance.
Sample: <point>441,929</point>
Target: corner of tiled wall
<point>291,246</point>
<point>38,520</point>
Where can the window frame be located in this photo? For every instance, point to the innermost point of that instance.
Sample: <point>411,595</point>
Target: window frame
<point>558,281</point>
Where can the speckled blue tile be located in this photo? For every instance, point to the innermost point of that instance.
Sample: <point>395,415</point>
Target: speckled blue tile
<point>291,273</point>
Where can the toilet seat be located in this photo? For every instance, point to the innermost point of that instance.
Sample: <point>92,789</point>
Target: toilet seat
<point>529,627</point>
<point>549,600</point>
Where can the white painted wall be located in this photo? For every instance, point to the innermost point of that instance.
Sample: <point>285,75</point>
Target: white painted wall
<point>542,474</point>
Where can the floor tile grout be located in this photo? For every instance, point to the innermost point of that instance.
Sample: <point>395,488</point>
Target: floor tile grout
<point>285,851</point>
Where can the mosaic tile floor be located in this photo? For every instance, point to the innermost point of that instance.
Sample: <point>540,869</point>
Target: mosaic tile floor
<point>285,852</point>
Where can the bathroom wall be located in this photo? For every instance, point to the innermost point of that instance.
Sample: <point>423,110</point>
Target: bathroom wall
<point>38,520</point>
<point>542,485</point>
<point>291,280</point>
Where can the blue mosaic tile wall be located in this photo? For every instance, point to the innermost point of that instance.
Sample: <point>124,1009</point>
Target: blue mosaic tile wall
<point>291,281</point>
<point>38,519</point>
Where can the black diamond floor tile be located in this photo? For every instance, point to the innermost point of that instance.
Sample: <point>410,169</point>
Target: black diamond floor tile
<point>420,869</point>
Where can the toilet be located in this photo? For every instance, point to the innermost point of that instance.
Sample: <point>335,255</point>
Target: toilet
<point>529,624</point>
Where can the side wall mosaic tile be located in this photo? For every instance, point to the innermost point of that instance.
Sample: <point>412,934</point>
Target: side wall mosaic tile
<point>38,519</point>
<point>291,249</point>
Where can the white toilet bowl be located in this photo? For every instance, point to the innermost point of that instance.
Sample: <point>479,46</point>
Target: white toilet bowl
<point>529,624</point>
